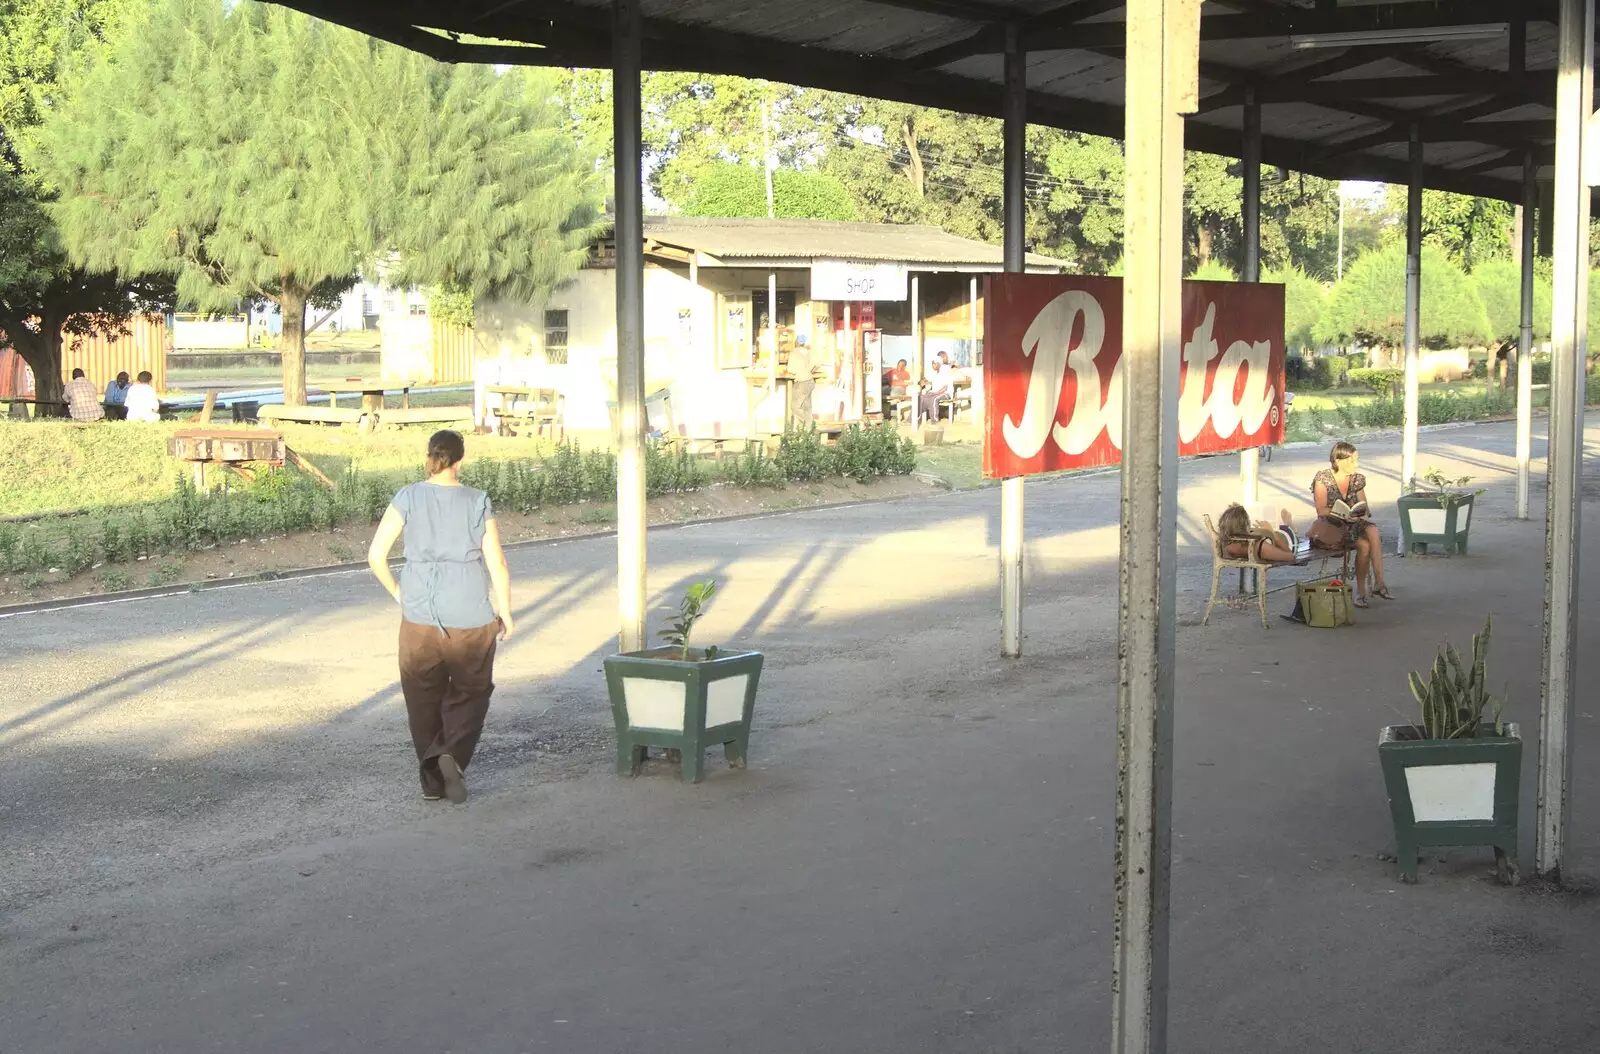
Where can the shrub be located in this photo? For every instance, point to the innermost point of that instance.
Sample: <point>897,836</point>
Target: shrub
<point>1369,304</point>
<point>1541,371</point>
<point>802,458</point>
<point>1385,382</point>
<point>1330,371</point>
<point>1303,301</point>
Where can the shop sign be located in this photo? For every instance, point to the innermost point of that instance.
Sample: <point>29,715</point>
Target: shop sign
<point>858,280</point>
<point>1053,371</point>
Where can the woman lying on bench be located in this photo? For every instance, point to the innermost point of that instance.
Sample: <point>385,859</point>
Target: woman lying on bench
<point>1261,541</point>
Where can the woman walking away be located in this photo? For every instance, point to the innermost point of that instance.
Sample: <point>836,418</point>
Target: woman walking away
<point>455,601</point>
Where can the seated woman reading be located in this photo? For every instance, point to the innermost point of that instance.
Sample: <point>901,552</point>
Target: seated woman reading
<point>1260,540</point>
<point>1344,521</point>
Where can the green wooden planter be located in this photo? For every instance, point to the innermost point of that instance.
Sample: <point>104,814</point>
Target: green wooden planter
<point>661,700</point>
<point>1453,792</point>
<point>1425,522</point>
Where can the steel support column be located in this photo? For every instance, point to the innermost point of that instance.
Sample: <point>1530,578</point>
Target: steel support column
<point>1527,229</point>
<point>1016,144</point>
<point>1408,442</point>
<point>1574,95</point>
<point>1250,160</point>
<point>627,35</point>
<point>1165,35</point>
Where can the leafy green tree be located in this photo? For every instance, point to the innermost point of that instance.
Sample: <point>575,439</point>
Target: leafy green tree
<point>254,152</point>
<point>1088,178</point>
<point>44,298</point>
<point>1300,225</point>
<point>1304,299</point>
<point>1470,230</point>
<point>729,189</point>
<point>1369,305</point>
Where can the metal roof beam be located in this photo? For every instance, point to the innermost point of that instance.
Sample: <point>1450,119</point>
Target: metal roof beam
<point>1221,27</point>
<point>1532,87</point>
<point>991,41</point>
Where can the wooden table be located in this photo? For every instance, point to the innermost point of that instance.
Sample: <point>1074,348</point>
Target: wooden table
<point>371,393</point>
<point>541,406</point>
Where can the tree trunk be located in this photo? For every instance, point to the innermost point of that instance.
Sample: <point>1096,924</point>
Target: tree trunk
<point>1202,248</point>
<point>914,170</point>
<point>42,352</point>
<point>292,301</point>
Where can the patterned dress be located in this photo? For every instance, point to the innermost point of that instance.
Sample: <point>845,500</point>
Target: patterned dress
<point>1349,495</point>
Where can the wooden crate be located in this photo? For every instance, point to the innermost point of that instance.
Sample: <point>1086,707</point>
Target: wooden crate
<point>227,445</point>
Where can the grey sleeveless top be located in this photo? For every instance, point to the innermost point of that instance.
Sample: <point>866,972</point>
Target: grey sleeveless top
<point>444,582</point>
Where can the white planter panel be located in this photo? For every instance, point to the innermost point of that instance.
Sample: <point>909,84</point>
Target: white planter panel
<point>655,704</point>
<point>1452,792</point>
<point>725,700</point>
<point>1463,517</point>
<point>1427,521</point>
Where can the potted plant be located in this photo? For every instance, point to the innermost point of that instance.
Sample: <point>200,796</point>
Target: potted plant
<point>1437,511</point>
<point>1453,776</point>
<point>683,698</point>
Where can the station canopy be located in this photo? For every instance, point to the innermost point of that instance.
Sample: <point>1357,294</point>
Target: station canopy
<point>1340,85</point>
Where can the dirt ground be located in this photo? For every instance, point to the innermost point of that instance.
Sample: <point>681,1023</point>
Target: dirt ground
<point>349,544</point>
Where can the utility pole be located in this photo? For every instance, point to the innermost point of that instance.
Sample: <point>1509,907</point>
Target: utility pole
<point>766,163</point>
<point>1339,272</point>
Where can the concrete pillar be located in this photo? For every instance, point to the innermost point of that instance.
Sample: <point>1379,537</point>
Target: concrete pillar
<point>1574,101</point>
<point>1165,34</point>
<point>627,34</point>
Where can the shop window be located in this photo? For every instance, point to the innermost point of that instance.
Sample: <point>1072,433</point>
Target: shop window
<point>758,306</point>
<point>555,337</point>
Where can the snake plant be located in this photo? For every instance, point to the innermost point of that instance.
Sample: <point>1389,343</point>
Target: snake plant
<point>1455,695</point>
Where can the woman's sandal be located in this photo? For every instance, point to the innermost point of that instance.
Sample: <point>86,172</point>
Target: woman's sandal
<point>1361,602</point>
<point>1384,593</point>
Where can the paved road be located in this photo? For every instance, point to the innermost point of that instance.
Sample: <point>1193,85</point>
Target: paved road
<point>212,840</point>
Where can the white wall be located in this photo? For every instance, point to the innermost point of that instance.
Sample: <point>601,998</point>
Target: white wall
<point>680,352</point>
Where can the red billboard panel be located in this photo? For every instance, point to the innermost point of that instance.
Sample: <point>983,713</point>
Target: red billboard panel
<point>1052,371</point>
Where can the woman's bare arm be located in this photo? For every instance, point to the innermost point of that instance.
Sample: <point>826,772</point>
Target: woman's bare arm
<point>494,558</point>
<point>1320,493</point>
<point>389,529</point>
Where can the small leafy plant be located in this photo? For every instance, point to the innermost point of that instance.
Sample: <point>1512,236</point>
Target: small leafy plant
<point>1454,696</point>
<point>693,606</point>
<point>1449,489</point>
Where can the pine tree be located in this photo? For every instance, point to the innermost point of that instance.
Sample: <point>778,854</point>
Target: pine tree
<point>254,152</point>
<point>43,295</point>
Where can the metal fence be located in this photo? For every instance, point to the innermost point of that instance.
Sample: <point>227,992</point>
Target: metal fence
<point>100,355</point>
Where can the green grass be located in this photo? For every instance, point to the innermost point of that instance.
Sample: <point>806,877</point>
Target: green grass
<point>958,464</point>
<point>137,504</point>
<point>56,466</point>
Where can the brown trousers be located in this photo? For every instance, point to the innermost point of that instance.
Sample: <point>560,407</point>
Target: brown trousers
<point>447,677</point>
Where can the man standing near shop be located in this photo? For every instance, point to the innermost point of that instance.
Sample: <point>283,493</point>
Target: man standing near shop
<point>83,401</point>
<point>802,386</point>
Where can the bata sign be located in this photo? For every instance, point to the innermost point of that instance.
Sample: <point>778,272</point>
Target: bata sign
<point>1052,371</point>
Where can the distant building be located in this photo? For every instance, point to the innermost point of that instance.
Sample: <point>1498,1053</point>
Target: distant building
<point>855,296</point>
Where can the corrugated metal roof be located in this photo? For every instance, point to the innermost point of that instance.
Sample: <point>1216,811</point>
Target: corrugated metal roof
<point>947,53</point>
<point>734,239</point>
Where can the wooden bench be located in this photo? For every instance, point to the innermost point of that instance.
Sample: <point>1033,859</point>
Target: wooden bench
<point>426,415</point>
<point>326,415</point>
